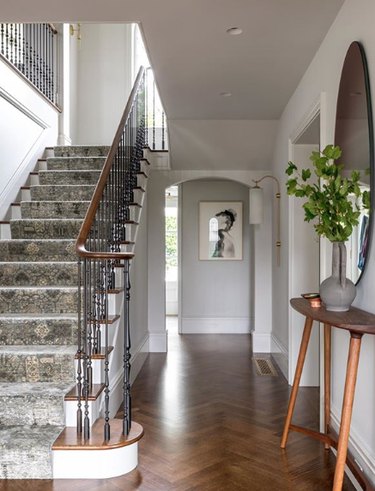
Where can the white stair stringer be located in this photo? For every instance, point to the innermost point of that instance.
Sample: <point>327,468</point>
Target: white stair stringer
<point>119,460</point>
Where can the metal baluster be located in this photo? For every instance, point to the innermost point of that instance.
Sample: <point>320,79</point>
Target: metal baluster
<point>52,70</point>
<point>7,41</point>
<point>11,41</point>
<point>19,44</point>
<point>79,352</point>
<point>26,50</point>
<point>127,355</point>
<point>87,320</point>
<point>2,36</point>
<point>107,428</point>
<point>153,114</point>
<point>162,130</point>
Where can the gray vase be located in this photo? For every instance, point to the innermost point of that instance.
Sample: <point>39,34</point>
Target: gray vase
<point>338,292</point>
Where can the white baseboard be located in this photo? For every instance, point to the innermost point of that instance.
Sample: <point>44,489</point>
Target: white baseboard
<point>261,342</point>
<point>158,342</point>
<point>137,360</point>
<point>280,355</point>
<point>139,357</point>
<point>363,456</point>
<point>215,325</point>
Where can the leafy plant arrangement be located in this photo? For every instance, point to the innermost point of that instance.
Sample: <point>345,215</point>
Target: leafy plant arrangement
<point>330,201</point>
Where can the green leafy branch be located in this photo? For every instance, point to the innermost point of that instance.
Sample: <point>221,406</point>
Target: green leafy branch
<point>330,200</point>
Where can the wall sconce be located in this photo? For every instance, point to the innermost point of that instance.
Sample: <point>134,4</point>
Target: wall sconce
<point>256,209</point>
<point>74,30</point>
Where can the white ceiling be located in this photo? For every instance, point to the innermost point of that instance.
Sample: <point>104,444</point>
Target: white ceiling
<point>194,60</point>
<point>193,57</point>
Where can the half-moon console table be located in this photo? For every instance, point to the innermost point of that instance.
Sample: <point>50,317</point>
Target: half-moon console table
<point>358,323</point>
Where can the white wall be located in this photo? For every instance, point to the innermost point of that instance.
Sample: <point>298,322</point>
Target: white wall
<point>139,297</point>
<point>28,124</point>
<point>215,294</point>
<point>103,81</point>
<point>303,276</point>
<point>222,144</point>
<point>260,298</point>
<point>354,22</point>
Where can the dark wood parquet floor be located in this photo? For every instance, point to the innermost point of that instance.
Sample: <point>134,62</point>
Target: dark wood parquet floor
<point>212,424</point>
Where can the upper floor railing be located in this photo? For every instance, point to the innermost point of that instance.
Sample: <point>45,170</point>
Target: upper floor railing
<point>32,49</point>
<point>156,121</point>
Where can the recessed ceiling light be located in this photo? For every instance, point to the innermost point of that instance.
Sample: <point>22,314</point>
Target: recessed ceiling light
<point>234,31</point>
<point>225,94</point>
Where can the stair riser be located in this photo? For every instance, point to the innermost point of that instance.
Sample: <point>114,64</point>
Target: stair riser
<point>60,193</point>
<point>54,209</point>
<point>36,368</point>
<point>81,151</point>
<point>38,409</point>
<point>38,274</point>
<point>68,177</point>
<point>38,301</point>
<point>68,163</point>
<point>45,229</point>
<point>37,332</point>
<point>29,250</point>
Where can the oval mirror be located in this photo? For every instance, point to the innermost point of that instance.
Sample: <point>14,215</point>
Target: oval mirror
<point>354,135</point>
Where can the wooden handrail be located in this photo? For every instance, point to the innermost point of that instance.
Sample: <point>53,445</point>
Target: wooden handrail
<point>98,192</point>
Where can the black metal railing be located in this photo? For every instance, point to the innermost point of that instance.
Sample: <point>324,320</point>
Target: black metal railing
<point>32,49</point>
<point>104,261</point>
<point>156,121</point>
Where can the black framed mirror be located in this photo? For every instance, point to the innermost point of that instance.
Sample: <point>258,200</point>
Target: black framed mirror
<point>354,135</point>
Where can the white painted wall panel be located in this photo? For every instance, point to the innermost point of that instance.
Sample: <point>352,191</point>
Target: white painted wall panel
<point>354,22</point>
<point>28,123</point>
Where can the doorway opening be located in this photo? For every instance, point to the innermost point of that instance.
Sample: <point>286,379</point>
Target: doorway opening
<point>171,259</point>
<point>304,257</point>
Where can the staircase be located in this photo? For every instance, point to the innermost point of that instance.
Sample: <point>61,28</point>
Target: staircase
<point>38,307</point>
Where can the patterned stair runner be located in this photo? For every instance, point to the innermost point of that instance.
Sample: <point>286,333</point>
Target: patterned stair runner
<point>38,310</point>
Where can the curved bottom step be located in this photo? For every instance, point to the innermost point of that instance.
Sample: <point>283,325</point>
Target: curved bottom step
<point>75,458</point>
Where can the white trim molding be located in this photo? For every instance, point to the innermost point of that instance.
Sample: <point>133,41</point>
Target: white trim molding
<point>158,342</point>
<point>94,464</point>
<point>261,342</point>
<point>280,354</point>
<point>362,455</point>
<point>215,325</point>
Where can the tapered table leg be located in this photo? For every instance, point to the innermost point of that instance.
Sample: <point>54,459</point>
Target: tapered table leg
<point>297,378</point>
<point>347,407</point>
<point>327,379</point>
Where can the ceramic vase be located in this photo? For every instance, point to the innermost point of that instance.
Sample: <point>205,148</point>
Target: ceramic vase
<point>338,292</point>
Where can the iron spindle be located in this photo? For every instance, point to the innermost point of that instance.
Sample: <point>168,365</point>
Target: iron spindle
<point>7,41</point>
<point>87,320</point>
<point>79,352</point>
<point>107,428</point>
<point>153,115</point>
<point>127,355</point>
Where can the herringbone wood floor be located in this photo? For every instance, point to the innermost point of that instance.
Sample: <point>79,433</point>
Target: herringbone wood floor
<point>212,424</point>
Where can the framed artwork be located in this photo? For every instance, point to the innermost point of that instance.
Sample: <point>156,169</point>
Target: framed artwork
<point>220,230</point>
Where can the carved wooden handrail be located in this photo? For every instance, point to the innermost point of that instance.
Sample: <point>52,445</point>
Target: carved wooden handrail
<point>93,207</point>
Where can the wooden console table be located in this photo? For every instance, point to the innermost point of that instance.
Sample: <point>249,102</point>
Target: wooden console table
<point>358,323</point>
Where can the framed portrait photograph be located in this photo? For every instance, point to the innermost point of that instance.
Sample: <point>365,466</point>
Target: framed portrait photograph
<point>220,230</point>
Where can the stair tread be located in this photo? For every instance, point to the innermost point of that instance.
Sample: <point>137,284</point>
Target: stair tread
<point>36,349</point>
<point>94,393</point>
<point>42,316</point>
<point>41,263</point>
<point>46,220</point>
<point>69,440</point>
<point>23,389</point>
<point>43,288</point>
<point>26,438</point>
